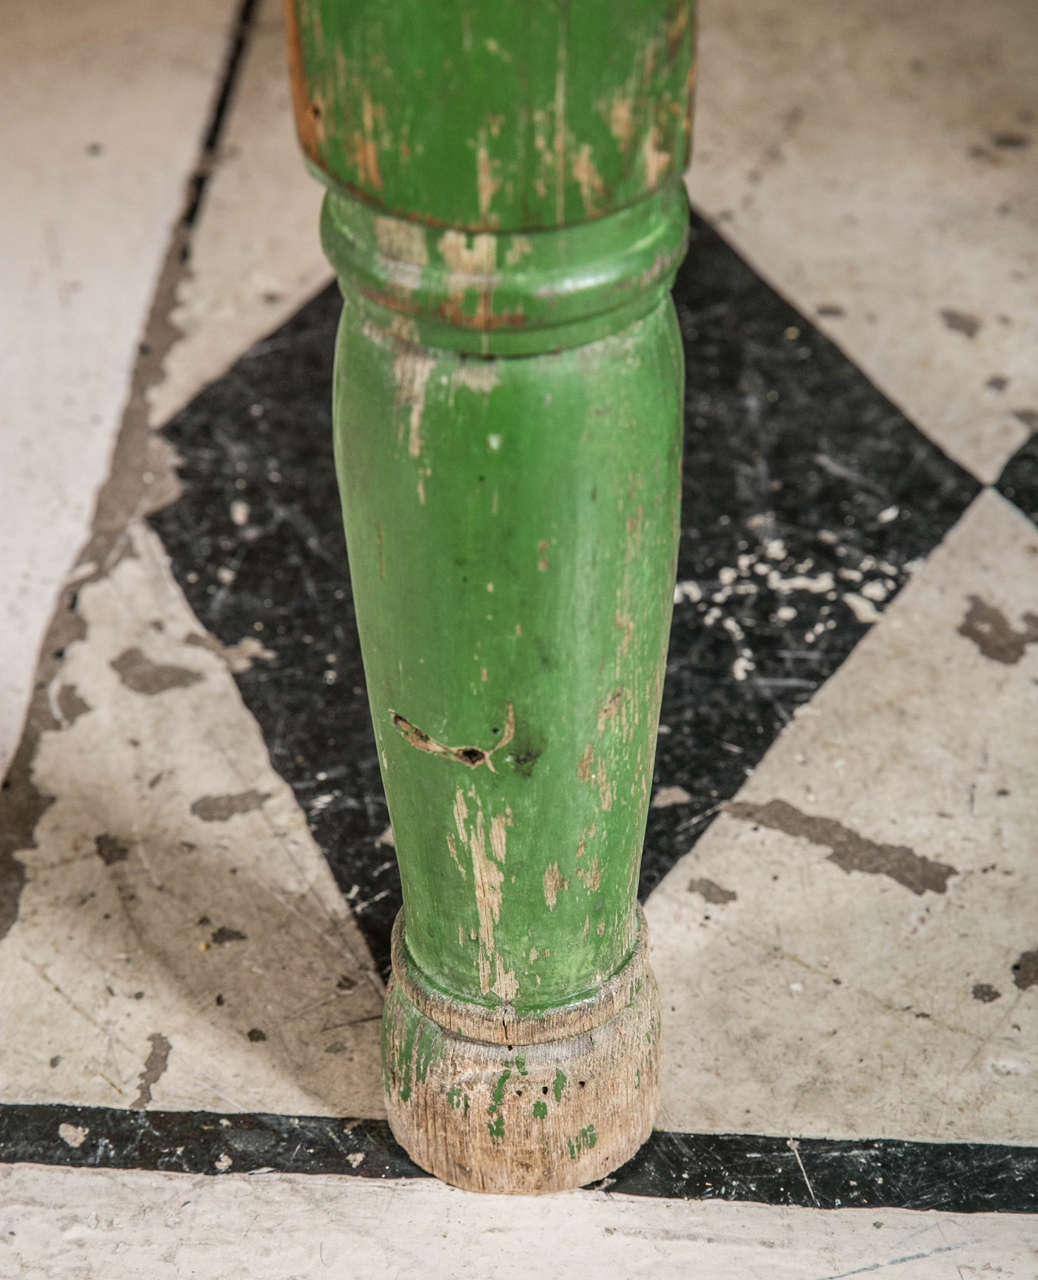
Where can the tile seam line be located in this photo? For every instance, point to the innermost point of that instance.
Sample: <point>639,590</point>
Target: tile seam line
<point>371,1137</point>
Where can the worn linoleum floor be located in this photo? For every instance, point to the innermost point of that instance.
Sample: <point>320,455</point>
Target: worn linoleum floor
<point>196,863</point>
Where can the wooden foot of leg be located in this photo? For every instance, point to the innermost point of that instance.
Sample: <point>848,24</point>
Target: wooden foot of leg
<point>528,1104</point>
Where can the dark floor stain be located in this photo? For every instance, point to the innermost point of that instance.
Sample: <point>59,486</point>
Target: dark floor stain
<point>12,882</point>
<point>71,705</point>
<point>985,992</point>
<point>1011,140</point>
<point>110,849</point>
<point>997,382</point>
<point>992,633</point>
<point>1029,417</point>
<point>223,808</point>
<point>224,934</point>
<point>137,671</point>
<point>961,322</point>
<point>711,891</point>
<point>256,1035</point>
<point>154,1067</point>
<point>1025,971</point>
<point>830,309</point>
<point>850,851</point>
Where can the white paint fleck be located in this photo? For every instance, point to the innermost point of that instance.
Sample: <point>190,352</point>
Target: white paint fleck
<point>249,649</point>
<point>240,512</point>
<point>224,1162</point>
<point>667,796</point>
<point>687,591</point>
<point>72,1134</point>
<point>800,582</point>
<point>734,630</point>
<point>862,608</point>
<point>355,1159</point>
<point>874,591</point>
<point>888,514</point>
<point>494,443</point>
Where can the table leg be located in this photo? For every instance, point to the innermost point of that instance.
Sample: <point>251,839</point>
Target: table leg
<point>505,213</point>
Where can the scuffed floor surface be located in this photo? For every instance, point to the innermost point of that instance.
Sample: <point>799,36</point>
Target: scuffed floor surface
<point>197,872</point>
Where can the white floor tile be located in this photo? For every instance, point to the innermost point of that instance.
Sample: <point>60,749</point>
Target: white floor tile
<point>859,980</point>
<point>104,110</point>
<point>107,1224</point>
<point>180,941</point>
<point>878,163</point>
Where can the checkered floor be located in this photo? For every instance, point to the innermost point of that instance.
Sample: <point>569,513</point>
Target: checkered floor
<point>197,871</point>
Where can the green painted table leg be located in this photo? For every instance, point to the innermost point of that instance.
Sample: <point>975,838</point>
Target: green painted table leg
<point>505,213</point>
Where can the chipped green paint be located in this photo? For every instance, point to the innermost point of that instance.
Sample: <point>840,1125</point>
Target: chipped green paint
<point>499,1090</point>
<point>411,1043</point>
<point>583,1141</point>
<point>497,1125</point>
<point>540,1110</point>
<point>504,181</point>
<point>486,116</point>
<point>559,1085</point>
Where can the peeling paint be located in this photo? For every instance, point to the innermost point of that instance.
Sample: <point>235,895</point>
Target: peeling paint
<point>223,808</point>
<point>518,249</point>
<point>154,1068</point>
<point>411,372</point>
<point>621,121</point>
<point>849,850</point>
<point>591,877</point>
<point>993,634</point>
<point>592,188</point>
<point>471,757</point>
<point>612,706</point>
<point>402,241</point>
<point>487,880</point>
<point>657,161</point>
<point>367,148</point>
<point>71,705</point>
<point>487,185</point>
<point>480,376</point>
<point>1025,970</point>
<point>553,883</point>
<point>138,672</point>
<point>711,892</point>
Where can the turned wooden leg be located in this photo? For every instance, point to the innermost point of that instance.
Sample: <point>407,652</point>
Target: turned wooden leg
<point>505,213</point>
